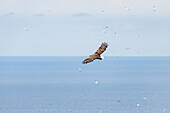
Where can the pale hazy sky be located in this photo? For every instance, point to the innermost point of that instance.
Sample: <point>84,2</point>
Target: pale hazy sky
<point>77,27</point>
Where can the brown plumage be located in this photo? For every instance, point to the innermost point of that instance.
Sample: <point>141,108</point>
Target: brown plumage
<point>97,54</point>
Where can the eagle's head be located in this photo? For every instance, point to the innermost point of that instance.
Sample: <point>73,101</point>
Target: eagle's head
<point>102,57</point>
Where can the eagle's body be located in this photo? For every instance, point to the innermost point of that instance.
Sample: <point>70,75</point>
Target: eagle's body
<point>97,54</point>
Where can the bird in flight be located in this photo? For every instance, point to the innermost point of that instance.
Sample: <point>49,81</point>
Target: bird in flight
<point>97,54</point>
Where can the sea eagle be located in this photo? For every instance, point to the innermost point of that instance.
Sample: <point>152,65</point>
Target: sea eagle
<point>97,54</point>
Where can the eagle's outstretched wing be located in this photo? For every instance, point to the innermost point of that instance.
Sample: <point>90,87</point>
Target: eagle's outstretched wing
<point>101,49</point>
<point>97,54</point>
<point>88,60</point>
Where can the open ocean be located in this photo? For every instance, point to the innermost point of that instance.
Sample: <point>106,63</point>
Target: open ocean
<point>57,85</point>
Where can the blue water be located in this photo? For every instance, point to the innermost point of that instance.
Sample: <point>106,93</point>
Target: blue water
<point>55,85</point>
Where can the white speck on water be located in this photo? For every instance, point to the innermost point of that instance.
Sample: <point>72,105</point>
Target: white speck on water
<point>96,82</point>
<point>137,105</point>
<point>164,110</point>
<point>79,69</point>
<point>145,98</point>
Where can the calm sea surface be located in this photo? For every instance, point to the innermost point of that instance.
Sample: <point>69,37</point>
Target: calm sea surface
<point>64,85</point>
